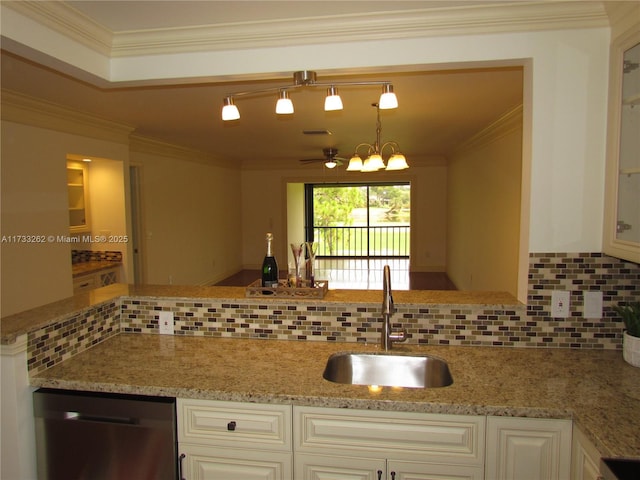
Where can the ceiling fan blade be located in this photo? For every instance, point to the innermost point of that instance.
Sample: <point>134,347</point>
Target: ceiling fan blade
<point>313,160</point>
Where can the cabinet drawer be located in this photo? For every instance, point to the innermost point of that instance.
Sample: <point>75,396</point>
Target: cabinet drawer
<point>85,282</point>
<point>207,422</point>
<point>434,437</point>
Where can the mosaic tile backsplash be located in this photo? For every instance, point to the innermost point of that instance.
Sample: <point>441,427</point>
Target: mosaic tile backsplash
<point>81,256</point>
<point>55,343</point>
<point>528,325</point>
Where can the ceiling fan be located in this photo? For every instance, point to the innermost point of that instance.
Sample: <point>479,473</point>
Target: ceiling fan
<point>330,160</point>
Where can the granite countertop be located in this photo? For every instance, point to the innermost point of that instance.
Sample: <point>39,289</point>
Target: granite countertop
<point>15,325</point>
<point>84,268</point>
<point>597,389</point>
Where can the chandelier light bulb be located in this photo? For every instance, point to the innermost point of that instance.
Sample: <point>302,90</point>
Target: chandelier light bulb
<point>397,162</point>
<point>355,164</point>
<point>373,163</point>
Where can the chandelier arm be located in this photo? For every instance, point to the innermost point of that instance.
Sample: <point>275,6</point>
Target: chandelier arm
<point>392,144</point>
<point>364,144</point>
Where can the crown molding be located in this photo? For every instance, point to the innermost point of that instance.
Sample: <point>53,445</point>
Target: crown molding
<point>27,110</point>
<point>496,17</point>
<point>623,16</point>
<point>67,21</point>
<point>150,146</point>
<point>474,19</point>
<point>506,124</point>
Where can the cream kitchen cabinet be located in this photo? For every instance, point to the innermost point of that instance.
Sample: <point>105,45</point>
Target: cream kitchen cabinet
<point>234,441</point>
<point>585,458</point>
<point>334,443</point>
<point>621,236</point>
<point>528,448</point>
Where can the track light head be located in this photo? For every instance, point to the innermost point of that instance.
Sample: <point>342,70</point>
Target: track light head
<point>388,99</point>
<point>333,101</point>
<point>284,106</point>
<point>229,110</point>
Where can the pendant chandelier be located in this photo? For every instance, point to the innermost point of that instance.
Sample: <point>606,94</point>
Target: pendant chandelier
<point>307,78</point>
<point>373,160</point>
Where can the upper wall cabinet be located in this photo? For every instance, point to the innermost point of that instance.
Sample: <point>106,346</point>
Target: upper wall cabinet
<point>78,191</point>
<point>622,201</point>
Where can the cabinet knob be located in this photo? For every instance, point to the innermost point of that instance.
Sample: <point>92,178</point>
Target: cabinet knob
<point>393,475</point>
<point>231,426</point>
<point>379,474</point>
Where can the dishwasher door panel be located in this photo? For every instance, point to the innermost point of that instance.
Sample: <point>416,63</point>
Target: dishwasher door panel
<point>104,437</point>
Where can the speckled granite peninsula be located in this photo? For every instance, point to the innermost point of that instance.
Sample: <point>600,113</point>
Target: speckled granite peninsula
<point>593,387</point>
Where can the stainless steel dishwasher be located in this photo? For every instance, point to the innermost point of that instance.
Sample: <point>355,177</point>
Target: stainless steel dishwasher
<point>81,435</point>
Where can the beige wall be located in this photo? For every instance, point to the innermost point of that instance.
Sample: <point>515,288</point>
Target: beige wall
<point>191,229</point>
<point>264,194</point>
<point>484,198</point>
<point>35,203</point>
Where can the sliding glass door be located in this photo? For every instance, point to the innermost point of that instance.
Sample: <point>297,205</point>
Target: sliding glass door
<point>359,220</point>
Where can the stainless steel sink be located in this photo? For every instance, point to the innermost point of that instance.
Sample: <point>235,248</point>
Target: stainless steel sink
<point>387,370</point>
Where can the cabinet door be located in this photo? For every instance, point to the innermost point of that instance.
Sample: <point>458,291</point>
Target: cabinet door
<point>585,459</point>
<point>216,463</point>
<point>528,449</point>
<point>427,471</point>
<point>108,277</point>
<point>324,467</point>
<point>622,179</point>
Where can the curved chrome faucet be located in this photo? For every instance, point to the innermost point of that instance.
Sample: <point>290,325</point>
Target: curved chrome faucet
<point>388,335</point>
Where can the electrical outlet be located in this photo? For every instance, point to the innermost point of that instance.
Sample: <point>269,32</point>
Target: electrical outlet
<point>592,305</point>
<point>165,319</point>
<point>560,302</point>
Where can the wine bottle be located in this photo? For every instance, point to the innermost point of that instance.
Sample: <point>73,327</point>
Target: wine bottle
<point>269,266</point>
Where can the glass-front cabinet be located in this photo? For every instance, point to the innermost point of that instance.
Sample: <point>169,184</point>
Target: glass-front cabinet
<point>622,205</point>
<point>77,189</point>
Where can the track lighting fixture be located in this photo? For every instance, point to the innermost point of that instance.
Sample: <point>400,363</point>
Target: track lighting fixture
<point>307,78</point>
<point>374,161</point>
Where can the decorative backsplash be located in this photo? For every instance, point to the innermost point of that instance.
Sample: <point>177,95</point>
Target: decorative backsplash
<point>618,280</point>
<point>53,344</point>
<point>81,256</point>
<point>528,325</point>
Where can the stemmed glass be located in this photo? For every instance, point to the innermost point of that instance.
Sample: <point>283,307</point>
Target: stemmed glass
<point>297,249</point>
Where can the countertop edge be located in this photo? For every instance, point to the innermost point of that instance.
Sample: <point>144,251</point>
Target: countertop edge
<point>313,401</point>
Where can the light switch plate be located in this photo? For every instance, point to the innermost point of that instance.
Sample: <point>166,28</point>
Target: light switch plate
<point>560,302</point>
<point>592,305</point>
<point>165,319</point>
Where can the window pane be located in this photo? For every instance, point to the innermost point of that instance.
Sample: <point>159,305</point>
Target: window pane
<point>361,220</point>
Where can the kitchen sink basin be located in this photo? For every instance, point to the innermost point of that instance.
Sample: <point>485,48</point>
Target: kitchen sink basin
<point>388,370</point>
